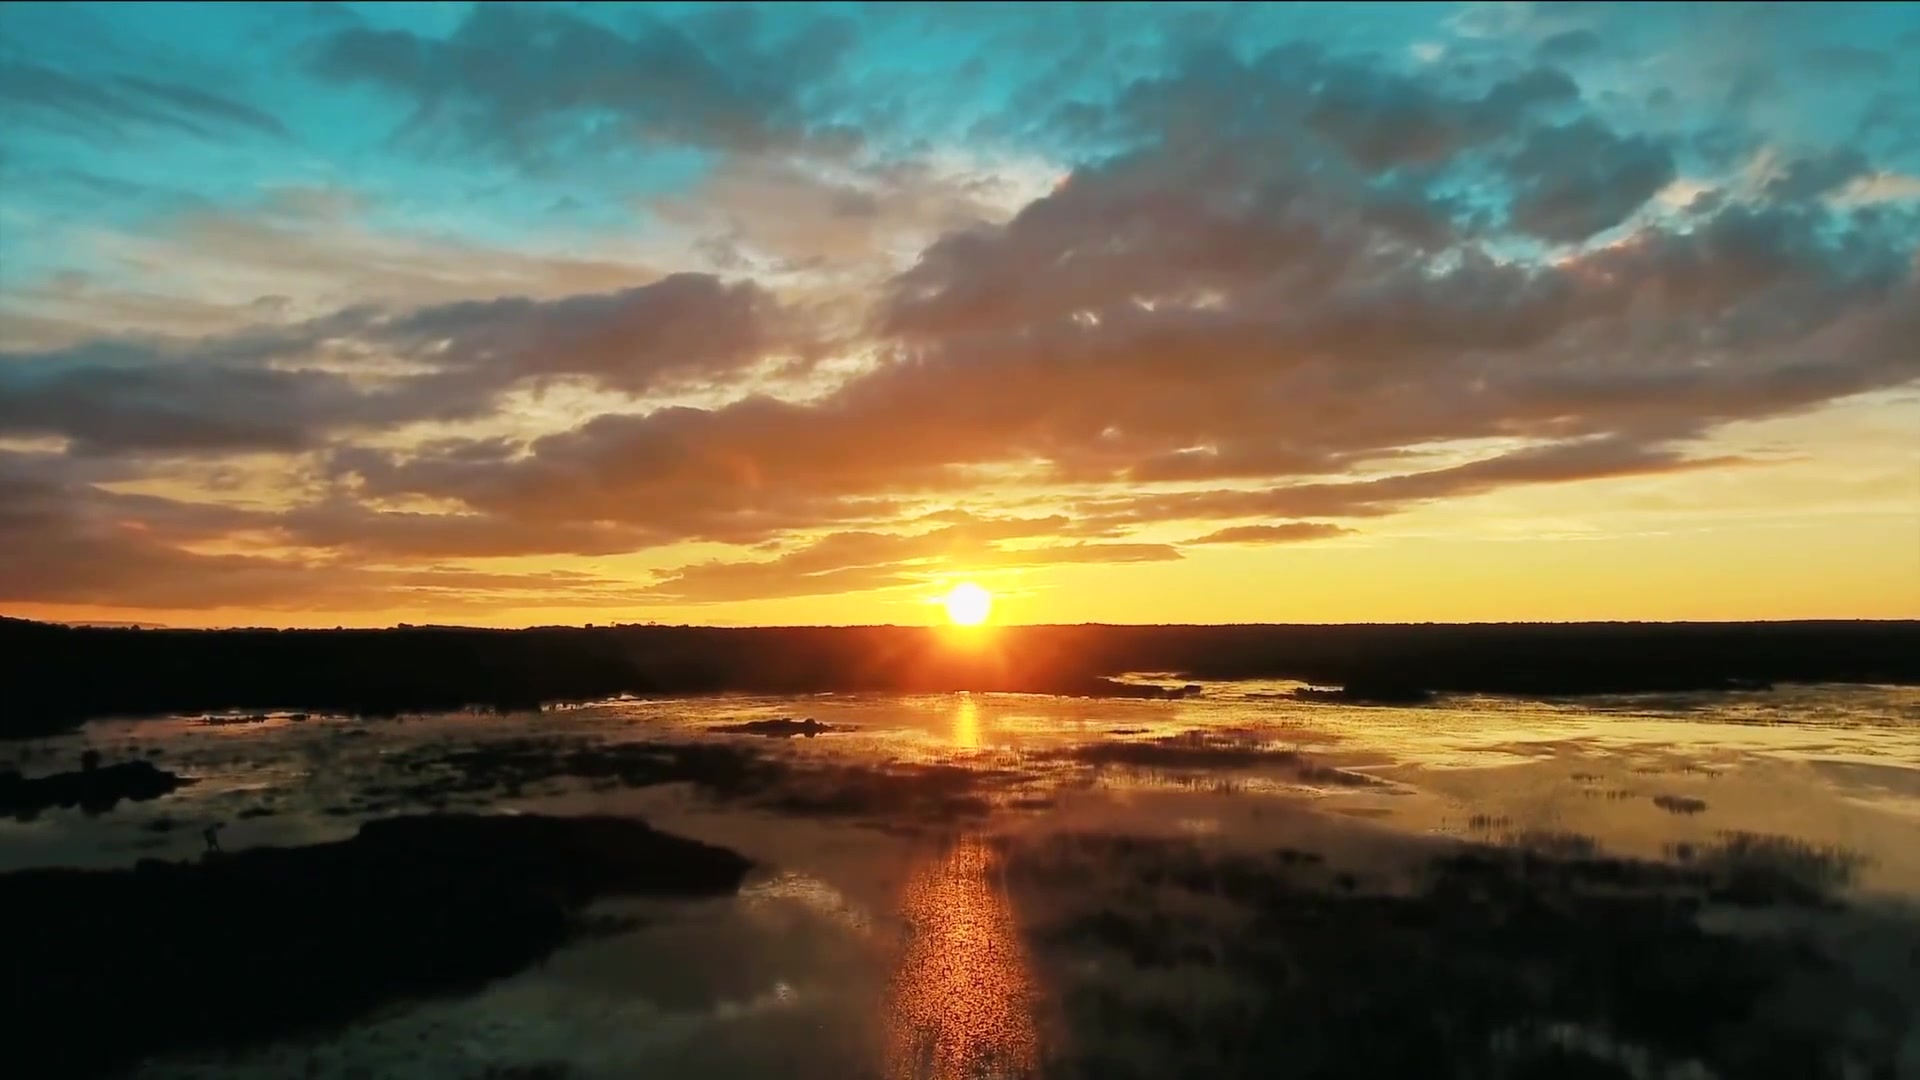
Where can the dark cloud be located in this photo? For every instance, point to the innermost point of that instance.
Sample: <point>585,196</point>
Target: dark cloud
<point>1317,111</point>
<point>534,82</point>
<point>1384,121</point>
<point>180,408</point>
<point>190,101</point>
<point>1849,61</point>
<point>685,327</point>
<point>1812,177</point>
<point>1568,46</point>
<point>247,391</point>
<point>1581,178</point>
<point>115,105</point>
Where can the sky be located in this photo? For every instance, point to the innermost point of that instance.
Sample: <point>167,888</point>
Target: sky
<point>344,314</point>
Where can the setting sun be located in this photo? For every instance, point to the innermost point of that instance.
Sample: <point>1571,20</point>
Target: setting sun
<point>968,604</point>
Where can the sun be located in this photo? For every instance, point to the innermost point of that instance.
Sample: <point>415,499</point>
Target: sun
<point>968,604</point>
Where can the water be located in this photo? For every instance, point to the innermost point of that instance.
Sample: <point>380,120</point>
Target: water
<point>1010,885</point>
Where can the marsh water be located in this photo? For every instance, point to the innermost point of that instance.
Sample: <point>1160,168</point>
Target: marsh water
<point>1234,883</point>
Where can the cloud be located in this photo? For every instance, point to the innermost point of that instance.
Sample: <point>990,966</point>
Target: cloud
<point>530,84</point>
<point>183,408</point>
<point>826,220</point>
<point>681,327</point>
<point>68,542</point>
<point>1849,61</point>
<point>1278,290</point>
<point>204,270</point>
<point>1305,108</point>
<point>866,561</point>
<point>285,388</point>
<point>349,530</point>
<point>1593,459</point>
<point>1880,187</point>
<point>187,100</point>
<point>1811,177</point>
<point>1568,46</point>
<point>1578,179</point>
<point>741,473</point>
<point>1203,309</point>
<point>1284,533</point>
<point>120,104</point>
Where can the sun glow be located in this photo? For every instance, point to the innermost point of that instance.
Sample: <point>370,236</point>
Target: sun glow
<point>968,604</point>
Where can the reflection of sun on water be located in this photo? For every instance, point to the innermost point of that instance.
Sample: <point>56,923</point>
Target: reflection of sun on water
<point>966,723</point>
<point>961,1001</point>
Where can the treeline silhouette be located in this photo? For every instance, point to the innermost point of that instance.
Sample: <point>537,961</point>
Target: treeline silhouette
<point>53,676</point>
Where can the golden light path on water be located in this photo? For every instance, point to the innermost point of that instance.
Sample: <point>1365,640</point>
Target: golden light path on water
<point>960,1002</point>
<point>966,723</point>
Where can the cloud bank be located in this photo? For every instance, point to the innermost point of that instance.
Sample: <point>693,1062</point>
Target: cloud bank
<point>1232,286</point>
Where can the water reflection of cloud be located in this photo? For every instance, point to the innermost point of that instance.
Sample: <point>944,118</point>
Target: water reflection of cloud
<point>961,999</point>
<point>810,893</point>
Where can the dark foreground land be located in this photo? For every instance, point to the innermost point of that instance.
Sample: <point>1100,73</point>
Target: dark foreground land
<point>106,967</point>
<point>54,676</point>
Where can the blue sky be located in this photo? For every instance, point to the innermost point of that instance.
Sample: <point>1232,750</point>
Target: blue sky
<point>271,271</point>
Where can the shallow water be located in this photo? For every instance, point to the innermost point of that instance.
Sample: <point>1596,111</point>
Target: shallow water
<point>941,893</point>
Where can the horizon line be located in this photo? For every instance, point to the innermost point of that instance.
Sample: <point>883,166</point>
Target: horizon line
<point>596,626</point>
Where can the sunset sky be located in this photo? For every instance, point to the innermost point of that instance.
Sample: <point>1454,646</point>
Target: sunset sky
<point>354,314</point>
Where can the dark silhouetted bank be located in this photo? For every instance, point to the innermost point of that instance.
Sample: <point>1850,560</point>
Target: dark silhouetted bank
<point>54,676</point>
<point>106,967</point>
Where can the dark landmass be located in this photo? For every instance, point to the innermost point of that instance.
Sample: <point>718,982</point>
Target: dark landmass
<point>902,795</point>
<point>105,967</point>
<point>234,721</point>
<point>906,795</point>
<point>782,727</point>
<point>1679,804</point>
<point>54,676</point>
<point>1367,693</point>
<point>1115,688</point>
<point>93,789</point>
<point>437,776</point>
<point>1498,962</point>
<point>1209,751</point>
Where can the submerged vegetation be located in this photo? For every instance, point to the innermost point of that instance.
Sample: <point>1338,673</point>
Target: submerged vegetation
<point>1496,962</point>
